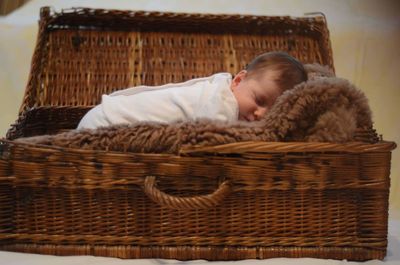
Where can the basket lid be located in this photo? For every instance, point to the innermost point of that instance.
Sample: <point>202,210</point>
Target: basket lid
<point>83,53</point>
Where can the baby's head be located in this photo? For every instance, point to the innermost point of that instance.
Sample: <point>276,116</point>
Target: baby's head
<point>265,78</point>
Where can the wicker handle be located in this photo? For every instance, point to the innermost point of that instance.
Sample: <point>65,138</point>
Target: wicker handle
<point>194,202</point>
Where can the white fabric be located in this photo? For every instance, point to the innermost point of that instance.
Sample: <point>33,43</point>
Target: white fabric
<point>207,97</point>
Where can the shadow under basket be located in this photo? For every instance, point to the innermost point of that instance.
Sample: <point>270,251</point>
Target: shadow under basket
<point>248,200</point>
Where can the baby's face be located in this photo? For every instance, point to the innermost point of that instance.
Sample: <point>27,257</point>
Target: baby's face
<point>255,95</point>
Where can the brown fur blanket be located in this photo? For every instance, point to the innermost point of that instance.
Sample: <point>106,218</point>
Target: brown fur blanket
<point>323,109</point>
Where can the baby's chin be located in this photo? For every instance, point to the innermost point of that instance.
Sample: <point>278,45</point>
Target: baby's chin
<point>243,118</point>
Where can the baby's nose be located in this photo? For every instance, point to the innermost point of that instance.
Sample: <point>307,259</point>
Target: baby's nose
<point>260,112</point>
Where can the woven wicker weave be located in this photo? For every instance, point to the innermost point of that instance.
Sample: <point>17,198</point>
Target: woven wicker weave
<point>235,201</point>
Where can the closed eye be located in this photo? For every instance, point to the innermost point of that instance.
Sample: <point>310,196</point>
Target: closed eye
<point>261,101</point>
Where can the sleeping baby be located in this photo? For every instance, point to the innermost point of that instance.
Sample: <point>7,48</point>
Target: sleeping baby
<point>247,96</point>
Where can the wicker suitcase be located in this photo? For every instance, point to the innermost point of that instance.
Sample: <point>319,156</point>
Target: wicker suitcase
<point>236,201</point>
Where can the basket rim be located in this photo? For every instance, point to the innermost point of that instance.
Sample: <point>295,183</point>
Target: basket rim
<point>292,147</point>
<point>231,148</point>
<point>81,10</point>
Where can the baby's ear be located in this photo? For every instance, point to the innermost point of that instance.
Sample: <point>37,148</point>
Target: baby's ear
<point>239,77</point>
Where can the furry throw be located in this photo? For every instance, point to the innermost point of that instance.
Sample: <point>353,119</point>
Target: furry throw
<point>323,109</point>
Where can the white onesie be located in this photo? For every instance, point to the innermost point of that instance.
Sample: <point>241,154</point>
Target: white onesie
<point>207,97</point>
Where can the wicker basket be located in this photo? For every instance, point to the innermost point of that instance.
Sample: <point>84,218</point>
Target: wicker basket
<point>236,201</point>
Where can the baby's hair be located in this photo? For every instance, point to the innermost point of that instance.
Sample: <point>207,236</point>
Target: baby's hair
<point>291,71</point>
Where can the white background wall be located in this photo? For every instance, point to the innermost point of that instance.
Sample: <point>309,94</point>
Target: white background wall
<point>365,37</point>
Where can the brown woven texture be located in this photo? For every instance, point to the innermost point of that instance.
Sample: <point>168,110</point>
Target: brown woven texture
<point>235,201</point>
<point>257,203</point>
